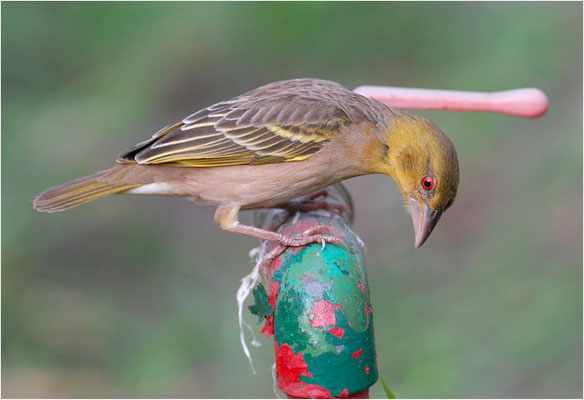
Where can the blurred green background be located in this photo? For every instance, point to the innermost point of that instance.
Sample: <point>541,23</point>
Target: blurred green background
<point>135,297</point>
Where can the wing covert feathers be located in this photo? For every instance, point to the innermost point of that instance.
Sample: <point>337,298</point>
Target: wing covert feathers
<point>282,121</point>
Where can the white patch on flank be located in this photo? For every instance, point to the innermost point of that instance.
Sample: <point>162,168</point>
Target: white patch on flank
<point>153,189</point>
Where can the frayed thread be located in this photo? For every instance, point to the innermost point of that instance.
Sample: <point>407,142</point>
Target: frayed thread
<point>248,283</point>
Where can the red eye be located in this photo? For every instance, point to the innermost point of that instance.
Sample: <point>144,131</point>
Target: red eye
<point>427,183</point>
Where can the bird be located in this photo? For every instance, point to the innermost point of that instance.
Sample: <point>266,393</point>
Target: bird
<point>272,144</point>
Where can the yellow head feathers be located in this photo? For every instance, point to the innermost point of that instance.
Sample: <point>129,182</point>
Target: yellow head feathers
<point>422,160</point>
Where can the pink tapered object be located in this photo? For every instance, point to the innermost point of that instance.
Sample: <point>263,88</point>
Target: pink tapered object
<point>527,102</point>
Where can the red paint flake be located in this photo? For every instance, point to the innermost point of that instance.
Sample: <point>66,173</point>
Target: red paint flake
<point>368,311</point>
<point>361,286</point>
<point>268,328</point>
<point>324,314</point>
<point>364,394</point>
<point>336,331</point>
<point>276,264</point>
<point>293,250</point>
<point>274,288</point>
<point>367,369</point>
<point>312,391</point>
<point>289,368</point>
<point>289,365</point>
<point>358,353</point>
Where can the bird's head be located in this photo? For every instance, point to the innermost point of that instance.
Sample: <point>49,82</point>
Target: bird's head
<point>423,162</point>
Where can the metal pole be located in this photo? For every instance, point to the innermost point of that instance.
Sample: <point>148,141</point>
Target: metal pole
<point>315,303</point>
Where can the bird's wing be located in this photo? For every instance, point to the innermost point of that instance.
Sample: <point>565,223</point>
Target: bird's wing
<point>282,121</point>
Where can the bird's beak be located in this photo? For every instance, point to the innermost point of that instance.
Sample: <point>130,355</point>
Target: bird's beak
<point>424,220</point>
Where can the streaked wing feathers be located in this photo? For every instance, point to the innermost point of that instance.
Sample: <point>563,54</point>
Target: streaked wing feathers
<point>283,121</point>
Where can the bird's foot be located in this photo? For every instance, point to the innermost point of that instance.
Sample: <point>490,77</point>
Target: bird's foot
<point>317,234</point>
<point>226,217</point>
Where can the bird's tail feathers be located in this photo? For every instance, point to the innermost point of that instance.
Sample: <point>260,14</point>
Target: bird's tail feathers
<point>79,191</point>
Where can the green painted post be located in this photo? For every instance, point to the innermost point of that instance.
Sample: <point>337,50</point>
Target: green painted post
<point>316,305</point>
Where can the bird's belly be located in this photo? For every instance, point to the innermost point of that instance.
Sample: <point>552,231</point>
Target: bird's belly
<point>255,186</point>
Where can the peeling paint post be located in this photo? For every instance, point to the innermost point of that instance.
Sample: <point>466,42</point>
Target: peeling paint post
<point>315,303</point>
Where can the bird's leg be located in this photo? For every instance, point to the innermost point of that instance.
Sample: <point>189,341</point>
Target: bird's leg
<point>320,193</point>
<point>279,220</point>
<point>227,218</point>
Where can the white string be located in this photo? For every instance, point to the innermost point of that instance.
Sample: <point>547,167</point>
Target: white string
<point>248,283</point>
<point>360,241</point>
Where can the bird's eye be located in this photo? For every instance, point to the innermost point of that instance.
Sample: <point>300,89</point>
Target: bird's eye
<point>428,183</point>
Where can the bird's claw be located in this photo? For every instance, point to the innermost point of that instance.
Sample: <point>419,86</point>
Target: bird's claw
<point>317,234</point>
